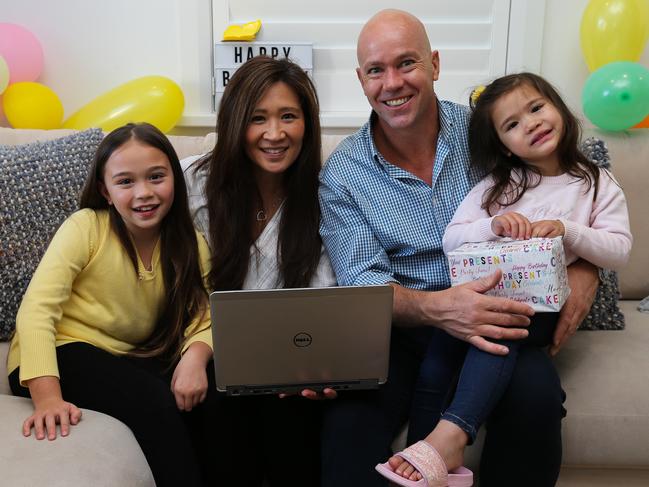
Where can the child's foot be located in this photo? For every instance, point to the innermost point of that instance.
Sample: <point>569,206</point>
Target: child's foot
<point>449,441</point>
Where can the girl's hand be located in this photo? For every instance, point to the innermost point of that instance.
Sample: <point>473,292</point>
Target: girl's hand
<point>513,225</point>
<point>49,409</point>
<point>548,229</point>
<point>189,381</point>
<point>48,415</point>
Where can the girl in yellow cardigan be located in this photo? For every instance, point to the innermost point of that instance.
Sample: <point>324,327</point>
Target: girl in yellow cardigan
<point>116,317</point>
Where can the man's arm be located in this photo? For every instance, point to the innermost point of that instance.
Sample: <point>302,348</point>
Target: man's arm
<point>465,313</point>
<point>356,255</point>
<point>583,279</point>
<point>358,258</point>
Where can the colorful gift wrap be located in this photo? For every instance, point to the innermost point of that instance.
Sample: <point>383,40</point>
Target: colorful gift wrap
<point>534,271</point>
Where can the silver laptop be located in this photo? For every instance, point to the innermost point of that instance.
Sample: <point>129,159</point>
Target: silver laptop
<point>286,340</point>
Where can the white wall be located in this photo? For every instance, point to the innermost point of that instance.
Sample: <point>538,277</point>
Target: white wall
<point>91,46</point>
<point>562,62</point>
<point>475,40</point>
<point>171,38</point>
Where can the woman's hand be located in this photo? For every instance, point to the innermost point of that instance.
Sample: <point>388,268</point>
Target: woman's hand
<point>513,225</point>
<point>327,393</point>
<point>49,409</point>
<point>548,229</point>
<point>189,381</point>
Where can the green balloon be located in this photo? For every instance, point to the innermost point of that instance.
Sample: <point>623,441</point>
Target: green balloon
<point>616,96</point>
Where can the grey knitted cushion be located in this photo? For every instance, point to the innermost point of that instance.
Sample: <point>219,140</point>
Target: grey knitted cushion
<point>605,314</point>
<point>39,188</point>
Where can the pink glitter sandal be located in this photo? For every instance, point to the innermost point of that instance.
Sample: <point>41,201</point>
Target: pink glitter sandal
<point>430,465</point>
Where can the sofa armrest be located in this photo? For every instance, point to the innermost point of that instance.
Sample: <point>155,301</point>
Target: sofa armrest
<point>100,451</point>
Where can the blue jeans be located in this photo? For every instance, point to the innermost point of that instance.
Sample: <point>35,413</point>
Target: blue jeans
<point>523,443</point>
<point>482,379</point>
<point>519,396</point>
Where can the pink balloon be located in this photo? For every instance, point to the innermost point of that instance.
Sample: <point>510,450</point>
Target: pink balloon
<point>22,52</point>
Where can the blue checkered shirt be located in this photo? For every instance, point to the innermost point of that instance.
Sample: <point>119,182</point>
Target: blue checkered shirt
<point>382,224</point>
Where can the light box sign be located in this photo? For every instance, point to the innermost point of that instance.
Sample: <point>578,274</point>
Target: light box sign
<point>228,56</point>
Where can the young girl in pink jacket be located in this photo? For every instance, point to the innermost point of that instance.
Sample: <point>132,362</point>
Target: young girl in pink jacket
<point>538,184</point>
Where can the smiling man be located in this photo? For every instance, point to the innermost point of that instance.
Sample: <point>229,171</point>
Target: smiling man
<point>387,194</point>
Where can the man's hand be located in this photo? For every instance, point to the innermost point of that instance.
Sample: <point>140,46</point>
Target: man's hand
<point>583,279</point>
<point>466,313</point>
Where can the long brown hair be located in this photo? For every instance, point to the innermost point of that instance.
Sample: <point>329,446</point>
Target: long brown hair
<point>232,192</point>
<point>489,153</point>
<point>186,297</point>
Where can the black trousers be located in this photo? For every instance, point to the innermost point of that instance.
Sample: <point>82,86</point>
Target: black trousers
<point>523,444</point>
<point>225,441</point>
<point>359,427</point>
<point>483,378</point>
<point>264,440</point>
<point>137,392</point>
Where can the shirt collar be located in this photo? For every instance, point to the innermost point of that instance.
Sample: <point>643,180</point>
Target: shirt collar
<point>369,136</point>
<point>446,118</point>
<point>447,124</point>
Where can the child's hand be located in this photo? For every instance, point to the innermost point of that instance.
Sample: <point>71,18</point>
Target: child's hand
<point>47,415</point>
<point>548,229</point>
<point>49,409</point>
<point>189,382</point>
<point>513,225</point>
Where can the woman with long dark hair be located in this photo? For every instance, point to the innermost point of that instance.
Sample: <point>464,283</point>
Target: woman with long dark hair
<point>256,198</point>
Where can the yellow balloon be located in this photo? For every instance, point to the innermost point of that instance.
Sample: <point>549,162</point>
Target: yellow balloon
<point>29,105</point>
<point>4,75</point>
<point>153,99</point>
<point>644,17</point>
<point>614,30</point>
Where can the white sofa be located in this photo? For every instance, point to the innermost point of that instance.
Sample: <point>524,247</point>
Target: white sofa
<point>603,372</point>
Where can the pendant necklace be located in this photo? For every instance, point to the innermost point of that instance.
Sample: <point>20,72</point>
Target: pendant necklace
<point>262,216</point>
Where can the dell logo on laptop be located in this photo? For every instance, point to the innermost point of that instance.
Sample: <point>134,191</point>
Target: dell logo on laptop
<point>302,340</point>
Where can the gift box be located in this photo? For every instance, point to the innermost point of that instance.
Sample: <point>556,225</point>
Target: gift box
<point>534,271</point>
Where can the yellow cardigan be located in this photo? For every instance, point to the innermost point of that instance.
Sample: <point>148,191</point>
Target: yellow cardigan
<point>86,290</point>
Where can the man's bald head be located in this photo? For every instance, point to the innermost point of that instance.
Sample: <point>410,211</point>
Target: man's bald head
<point>391,19</point>
<point>397,70</point>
